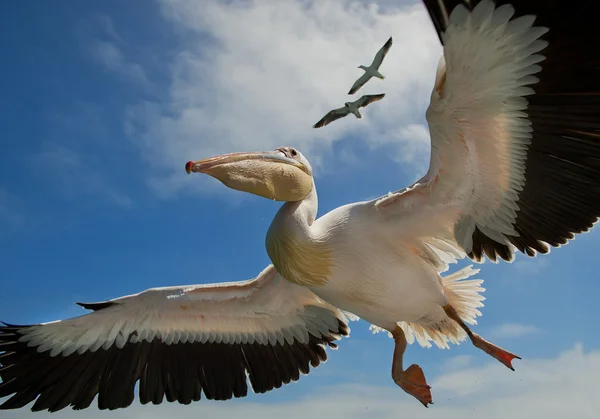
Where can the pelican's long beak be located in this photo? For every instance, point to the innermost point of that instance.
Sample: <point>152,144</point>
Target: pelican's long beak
<point>205,165</point>
<point>270,174</point>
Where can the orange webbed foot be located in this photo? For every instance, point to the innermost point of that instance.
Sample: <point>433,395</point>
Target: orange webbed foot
<point>412,381</point>
<point>497,352</point>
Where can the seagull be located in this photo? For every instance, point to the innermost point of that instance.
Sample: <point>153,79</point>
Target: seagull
<point>373,69</point>
<point>349,107</point>
<point>515,142</point>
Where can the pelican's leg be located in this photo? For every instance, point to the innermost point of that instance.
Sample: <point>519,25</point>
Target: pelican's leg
<point>411,380</point>
<point>500,354</point>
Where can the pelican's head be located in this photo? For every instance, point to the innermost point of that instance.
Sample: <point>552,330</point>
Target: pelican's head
<point>283,174</point>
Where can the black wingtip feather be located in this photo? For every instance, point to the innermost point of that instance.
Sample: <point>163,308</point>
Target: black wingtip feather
<point>178,373</point>
<point>96,306</point>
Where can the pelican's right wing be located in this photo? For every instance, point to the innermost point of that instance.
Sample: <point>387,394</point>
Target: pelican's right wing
<point>514,119</point>
<point>177,341</point>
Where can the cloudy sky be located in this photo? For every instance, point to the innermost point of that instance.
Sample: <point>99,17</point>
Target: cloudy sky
<point>103,103</point>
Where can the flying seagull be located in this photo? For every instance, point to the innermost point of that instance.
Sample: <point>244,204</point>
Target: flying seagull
<point>349,107</point>
<point>515,140</point>
<point>373,69</point>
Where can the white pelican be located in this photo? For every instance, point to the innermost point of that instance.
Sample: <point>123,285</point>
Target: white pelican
<point>515,133</point>
<point>373,69</point>
<point>349,107</point>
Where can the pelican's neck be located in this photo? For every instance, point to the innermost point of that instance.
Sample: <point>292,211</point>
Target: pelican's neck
<point>297,251</point>
<point>297,217</point>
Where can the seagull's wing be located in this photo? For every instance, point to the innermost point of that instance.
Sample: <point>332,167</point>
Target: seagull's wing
<point>332,116</point>
<point>515,129</point>
<point>360,82</point>
<point>381,54</point>
<point>368,99</point>
<point>177,341</point>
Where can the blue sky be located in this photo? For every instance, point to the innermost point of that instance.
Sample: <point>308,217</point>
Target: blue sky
<point>103,103</point>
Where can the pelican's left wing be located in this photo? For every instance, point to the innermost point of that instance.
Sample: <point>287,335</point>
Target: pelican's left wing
<point>177,342</point>
<point>515,127</point>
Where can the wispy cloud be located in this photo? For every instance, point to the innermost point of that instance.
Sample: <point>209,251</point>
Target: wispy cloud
<point>112,58</point>
<point>529,266</point>
<point>513,330</point>
<point>457,363</point>
<point>101,42</point>
<point>11,211</point>
<point>68,174</point>
<point>107,26</point>
<point>256,75</point>
<point>536,390</point>
<point>526,270</point>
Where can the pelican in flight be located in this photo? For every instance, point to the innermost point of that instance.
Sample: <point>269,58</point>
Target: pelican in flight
<point>514,119</point>
<point>373,69</point>
<point>349,107</point>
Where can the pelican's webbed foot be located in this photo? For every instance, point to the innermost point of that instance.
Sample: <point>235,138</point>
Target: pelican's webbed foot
<point>412,380</point>
<point>497,352</point>
<point>489,348</point>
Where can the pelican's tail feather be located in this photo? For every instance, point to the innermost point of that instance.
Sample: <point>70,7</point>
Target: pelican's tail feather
<point>465,295</point>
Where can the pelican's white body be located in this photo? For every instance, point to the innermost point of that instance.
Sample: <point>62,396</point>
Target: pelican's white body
<point>380,279</point>
<point>380,274</point>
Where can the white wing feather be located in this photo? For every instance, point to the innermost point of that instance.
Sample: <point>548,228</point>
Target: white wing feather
<point>479,132</point>
<point>266,309</point>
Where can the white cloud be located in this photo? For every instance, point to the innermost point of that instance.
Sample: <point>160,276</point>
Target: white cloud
<point>554,388</point>
<point>107,26</point>
<point>512,330</point>
<point>256,75</point>
<point>110,56</point>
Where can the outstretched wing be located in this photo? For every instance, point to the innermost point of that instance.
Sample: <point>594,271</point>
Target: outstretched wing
<point>177,342</point>
<point>515,127</point>
<point>332,116</point>
<point>367,99</point>
<point>381,54</point>
<point>360,82</point>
